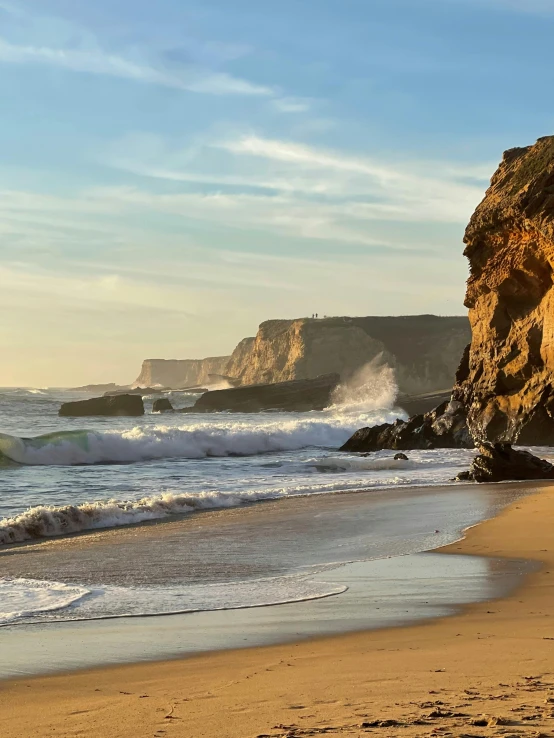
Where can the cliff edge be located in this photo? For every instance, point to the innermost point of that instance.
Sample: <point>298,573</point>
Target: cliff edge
<point>505,379</point>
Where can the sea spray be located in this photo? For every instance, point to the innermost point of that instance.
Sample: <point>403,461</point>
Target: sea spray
<point>372,386</point>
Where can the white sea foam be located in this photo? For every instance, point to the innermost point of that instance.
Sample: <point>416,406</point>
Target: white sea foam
<point>21,598</point>
<point>117,602</point>
<point>361,463</point>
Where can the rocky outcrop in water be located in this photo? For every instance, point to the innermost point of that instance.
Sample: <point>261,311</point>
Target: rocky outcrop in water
<point>500,462</point>
<point>506,378</point>
<point>162,405</point>
<point>118,405</point>
<point>178,373</point>
<point>443,427</point>
<point>300,395</point>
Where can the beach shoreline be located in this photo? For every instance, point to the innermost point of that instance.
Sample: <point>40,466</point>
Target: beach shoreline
<point>371,549</point>
<point>491,656</point>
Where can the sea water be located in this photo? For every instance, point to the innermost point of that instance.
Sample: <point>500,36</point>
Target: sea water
<point>63,476</point>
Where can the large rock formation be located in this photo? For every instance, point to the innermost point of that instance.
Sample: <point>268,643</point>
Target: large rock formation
<point>443,427</point>
<point>300,395</point>
<point>423,349</point>
<point>117,405</point>
<point>505,380</point>
<point>178,373</point>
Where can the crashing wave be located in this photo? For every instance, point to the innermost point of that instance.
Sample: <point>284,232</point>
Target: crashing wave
<point>195,440</point>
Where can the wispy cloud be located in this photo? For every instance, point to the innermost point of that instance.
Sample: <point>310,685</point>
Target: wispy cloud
<point>297,178</point>
<point>97,61</point>
<point>291,104</point>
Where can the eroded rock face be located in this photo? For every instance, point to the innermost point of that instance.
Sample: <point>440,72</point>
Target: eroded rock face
<point>286,350</point>
<point>505,380</point>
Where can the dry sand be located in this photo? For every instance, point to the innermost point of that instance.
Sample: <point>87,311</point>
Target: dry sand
<point>435,679</point>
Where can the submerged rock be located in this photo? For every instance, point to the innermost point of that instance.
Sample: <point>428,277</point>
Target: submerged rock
<point>116,405</point>
<point>443,427</point>
<point>301,395</point>
<point>162,405</point>
<point>500,462</point>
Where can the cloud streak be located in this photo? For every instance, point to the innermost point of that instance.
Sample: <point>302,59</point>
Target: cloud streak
<point>98,62</point>
<point>300,178</point>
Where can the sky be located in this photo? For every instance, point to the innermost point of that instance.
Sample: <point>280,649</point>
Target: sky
<point>174,173</point>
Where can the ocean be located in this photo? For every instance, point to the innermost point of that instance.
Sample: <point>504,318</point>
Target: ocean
<point>122,517</point>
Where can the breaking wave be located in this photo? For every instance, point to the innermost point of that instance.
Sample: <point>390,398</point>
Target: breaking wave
<point>48,521</point>
<point>43,521</point>
<point>195,440</point>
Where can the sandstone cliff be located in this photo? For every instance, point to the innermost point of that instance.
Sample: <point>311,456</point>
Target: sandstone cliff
<point>178,373</point>
<point>240,357</point>
<point>424,349</point>
<point>505,380</point>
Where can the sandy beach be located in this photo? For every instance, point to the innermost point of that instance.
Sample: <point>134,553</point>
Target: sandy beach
<point>493,659</point>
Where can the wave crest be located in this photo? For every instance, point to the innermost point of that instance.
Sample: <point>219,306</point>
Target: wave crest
<point>215,437</point>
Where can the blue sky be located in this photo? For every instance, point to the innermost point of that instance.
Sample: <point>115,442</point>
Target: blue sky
<point>173,173</point>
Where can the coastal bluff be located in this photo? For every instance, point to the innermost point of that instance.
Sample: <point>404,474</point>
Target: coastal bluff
<point>180,373</point>
<point>424,350</point>
<point>505,381</point>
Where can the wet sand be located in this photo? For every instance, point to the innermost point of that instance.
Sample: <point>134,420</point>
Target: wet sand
<point>435,678</point>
